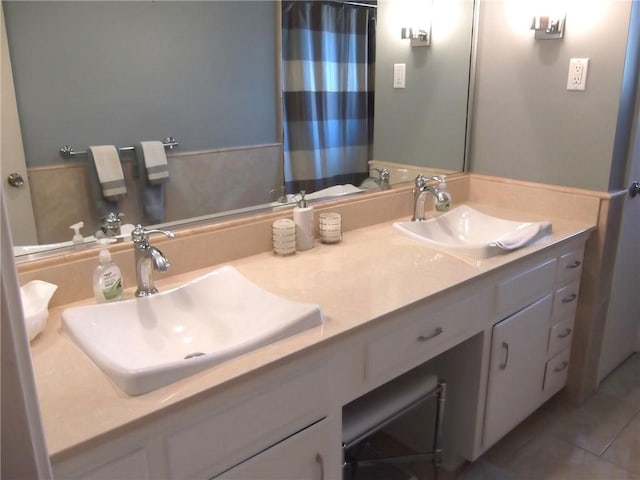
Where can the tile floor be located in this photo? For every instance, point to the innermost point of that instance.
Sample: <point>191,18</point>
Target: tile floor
<point>599,440</point>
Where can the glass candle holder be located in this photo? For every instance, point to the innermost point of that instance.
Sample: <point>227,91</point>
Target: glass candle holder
<point>283,235</point>
<point>330,227</point>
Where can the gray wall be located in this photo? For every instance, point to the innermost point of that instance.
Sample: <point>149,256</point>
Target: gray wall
<point>423,124</point>
<point>527,125</point>
<point>90,73</point>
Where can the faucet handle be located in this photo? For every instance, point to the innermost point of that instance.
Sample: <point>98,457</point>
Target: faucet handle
<point>140,235</point>
<point>111,224</point>
<point>383,174</point>
<point>421,181</point>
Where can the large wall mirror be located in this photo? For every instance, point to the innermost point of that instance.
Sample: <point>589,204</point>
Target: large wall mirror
<point>208,73</point>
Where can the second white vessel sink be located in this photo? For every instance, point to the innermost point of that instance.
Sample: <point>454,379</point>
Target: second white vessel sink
<point>146,343</point>
<point>468,232</point>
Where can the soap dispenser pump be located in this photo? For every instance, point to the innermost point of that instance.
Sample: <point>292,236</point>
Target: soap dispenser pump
<point>303,218</point>
<point>77,237</point>
<point>444,200</point>
<point>107,277</point>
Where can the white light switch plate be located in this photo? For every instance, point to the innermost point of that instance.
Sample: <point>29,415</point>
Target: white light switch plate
<point>399,70</point>
<point>577,79</point>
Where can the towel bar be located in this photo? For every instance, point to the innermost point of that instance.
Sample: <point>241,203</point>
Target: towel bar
<point>67,151</point>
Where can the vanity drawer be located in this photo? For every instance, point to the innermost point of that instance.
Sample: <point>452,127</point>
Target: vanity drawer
<point>565,300</point>
<point>570,266</point>
<point>423,338</point>
<point>247,426</point>
<point>555,374</point>
<point>560,336</point>
<point>520,290</point>
<point>130,465</point>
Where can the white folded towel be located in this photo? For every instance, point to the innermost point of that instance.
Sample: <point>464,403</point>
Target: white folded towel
<point>109,170</point>
<point>523,236</point>
<point>155,161</point>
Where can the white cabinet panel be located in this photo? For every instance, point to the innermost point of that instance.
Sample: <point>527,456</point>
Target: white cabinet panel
<point>560,336</point>
<point>231,435</point>
<point>555,376</point>
<point>422,337</point>
<point>132,465</point>
<point>565,301</point>
<point>570,266</point>
<point>518,355</point>
<point>519,290</point>
<point>300,457</point>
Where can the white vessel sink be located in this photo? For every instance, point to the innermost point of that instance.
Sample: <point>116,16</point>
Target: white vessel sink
<point>466,231</point>
<point>146,343</point>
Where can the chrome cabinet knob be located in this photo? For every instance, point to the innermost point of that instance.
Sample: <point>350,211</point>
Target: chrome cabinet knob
<point>15,180</point>
<point>634,189</point>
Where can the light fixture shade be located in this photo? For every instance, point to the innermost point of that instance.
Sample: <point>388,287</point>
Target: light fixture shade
<point>548,26</point>
<point>415,21</point>
<point>419,36</point>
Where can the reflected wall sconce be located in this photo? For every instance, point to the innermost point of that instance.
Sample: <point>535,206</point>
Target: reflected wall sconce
<point>548,27</point>
<point>418,36</point>
<point>415,22</point>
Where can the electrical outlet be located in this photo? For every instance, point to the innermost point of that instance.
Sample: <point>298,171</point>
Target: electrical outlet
<point>577,79</point>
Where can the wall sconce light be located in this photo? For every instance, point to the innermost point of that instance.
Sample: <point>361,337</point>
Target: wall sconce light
<point>418,36</point>
<point>548,27</point>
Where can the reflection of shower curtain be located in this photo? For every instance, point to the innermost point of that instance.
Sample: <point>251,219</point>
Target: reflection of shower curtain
<point>328,52</point>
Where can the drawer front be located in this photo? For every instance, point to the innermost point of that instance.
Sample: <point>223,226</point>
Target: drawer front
<point>250,425</point>
<point>565,301</point>
<point>520,290</point>
<point>131,465</point>
<point>560,336</point>
<point>570,266</point>
<point>423,338</point>
<point>555,375</point>
<point>301,456</point>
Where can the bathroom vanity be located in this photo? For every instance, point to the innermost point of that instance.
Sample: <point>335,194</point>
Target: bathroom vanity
<point>391,304</point>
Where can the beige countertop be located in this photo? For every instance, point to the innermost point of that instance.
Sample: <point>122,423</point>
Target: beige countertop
<point>372,272</point>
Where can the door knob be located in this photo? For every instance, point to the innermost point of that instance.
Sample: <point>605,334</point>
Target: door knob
<point>634,189</point>
<point>15,180</point>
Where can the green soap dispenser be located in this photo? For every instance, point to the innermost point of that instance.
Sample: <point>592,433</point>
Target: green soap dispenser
<point>107,277</point>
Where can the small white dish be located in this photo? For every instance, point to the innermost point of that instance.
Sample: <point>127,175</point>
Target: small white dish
<point>35,297</point>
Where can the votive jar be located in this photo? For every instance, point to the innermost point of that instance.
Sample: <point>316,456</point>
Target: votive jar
<point>330,227</point>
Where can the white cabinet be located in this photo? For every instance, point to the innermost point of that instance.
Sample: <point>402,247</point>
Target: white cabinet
<point>251,420</point>
<point>130,465</point>
<point>518,357</point>
<point>302,456</point>
<point>514,326</point>
<point>530,349</point>
<point>226,436</point>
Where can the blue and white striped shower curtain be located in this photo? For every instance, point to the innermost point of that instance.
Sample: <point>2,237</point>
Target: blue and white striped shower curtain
<point>328,54</point>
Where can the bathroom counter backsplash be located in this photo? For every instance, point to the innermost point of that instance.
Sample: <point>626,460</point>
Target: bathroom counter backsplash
<point>371,273</point>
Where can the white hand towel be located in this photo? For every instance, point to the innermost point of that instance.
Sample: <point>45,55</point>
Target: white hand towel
<point>155,161</point>
<point>522,237</point>
<point>109,170</point>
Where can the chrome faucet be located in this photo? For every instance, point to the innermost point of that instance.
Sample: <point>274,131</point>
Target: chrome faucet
<point>383,177</point>
<point>111,224</point>
<point>420,190</point>
<point>148,258</point>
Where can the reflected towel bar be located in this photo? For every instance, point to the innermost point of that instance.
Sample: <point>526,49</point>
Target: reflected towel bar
<point>67,151</point>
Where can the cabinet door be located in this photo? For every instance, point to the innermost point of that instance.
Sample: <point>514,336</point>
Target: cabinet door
<point>300,457</point>
<point>516,376</point>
